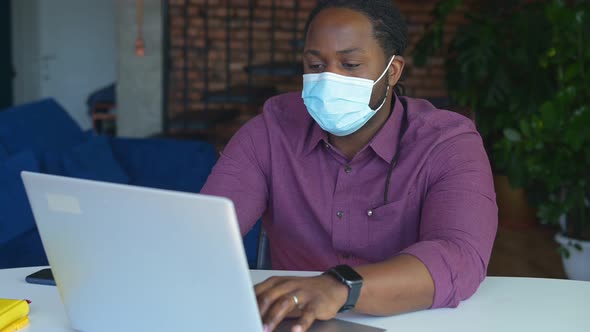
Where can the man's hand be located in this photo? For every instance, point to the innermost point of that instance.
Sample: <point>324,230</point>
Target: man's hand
<point>308,298</point>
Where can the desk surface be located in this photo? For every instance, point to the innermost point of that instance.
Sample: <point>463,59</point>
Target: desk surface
<point>500,304</point>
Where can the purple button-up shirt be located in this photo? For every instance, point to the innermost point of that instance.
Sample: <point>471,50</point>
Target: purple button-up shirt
<point>321,209</point>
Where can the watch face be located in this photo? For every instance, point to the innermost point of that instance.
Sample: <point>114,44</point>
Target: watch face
<point>352,279</point>
<point>348,273</point>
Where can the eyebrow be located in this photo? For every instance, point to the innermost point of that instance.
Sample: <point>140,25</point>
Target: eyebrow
<point>346,51</point>
<point>351,50</point>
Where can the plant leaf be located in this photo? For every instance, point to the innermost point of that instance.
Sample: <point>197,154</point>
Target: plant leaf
<point>512,135</point>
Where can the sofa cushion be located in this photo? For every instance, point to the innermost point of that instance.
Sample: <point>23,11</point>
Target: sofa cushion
<point>41,126</point>
<point>3,153</point>
<point>90,160</point>
<point>22,251</point>
<point>16,217</point>
<point>165,164</point>
<point>51,162</point>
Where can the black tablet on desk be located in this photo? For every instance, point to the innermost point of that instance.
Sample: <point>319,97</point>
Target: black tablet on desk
<point>41,277</point>
<point>333,325</point>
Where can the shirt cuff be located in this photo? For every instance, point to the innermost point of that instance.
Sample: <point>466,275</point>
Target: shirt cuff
<point>430,253</point>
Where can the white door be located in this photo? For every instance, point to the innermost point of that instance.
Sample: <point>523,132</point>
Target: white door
<point>77,51</point>
<point>25,50</point>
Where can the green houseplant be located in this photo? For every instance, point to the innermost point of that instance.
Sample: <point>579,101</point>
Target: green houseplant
<point>549,150</point>
<point>523,66</point>
<point>489,70</point>
<point>489,62</point>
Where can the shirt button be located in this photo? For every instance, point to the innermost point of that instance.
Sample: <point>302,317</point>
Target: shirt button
<point>348,169</point>
<point>370,213</point>
<point>327,145</point>
<point>339,214</point>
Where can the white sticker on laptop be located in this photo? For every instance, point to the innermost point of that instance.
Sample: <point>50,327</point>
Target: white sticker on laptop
<point>63,204</point>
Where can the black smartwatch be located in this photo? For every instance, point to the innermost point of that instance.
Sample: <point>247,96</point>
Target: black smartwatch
<point>349,277</point>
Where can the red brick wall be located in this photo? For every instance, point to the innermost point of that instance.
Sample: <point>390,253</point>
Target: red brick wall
<point>420,82</point>
<point>428,81</point>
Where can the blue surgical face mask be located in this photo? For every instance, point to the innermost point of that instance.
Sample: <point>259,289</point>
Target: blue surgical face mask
<point>340,104</point>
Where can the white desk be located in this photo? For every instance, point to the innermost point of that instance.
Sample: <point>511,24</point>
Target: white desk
<point>500,304</point>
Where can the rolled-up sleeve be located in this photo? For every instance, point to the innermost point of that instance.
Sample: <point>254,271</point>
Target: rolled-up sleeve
<point>240,173</point>
<point>459,219</point>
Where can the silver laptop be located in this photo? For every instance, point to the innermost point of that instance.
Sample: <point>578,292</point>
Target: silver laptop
<point>130,258</point>
<point>135,259</point>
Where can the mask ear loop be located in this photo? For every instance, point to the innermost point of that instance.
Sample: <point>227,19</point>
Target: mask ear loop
<point>380,77</point>
<point>385,71</point>
<point>384,100</point>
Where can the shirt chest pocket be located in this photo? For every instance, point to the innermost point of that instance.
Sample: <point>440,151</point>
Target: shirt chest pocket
<point>394,226</point>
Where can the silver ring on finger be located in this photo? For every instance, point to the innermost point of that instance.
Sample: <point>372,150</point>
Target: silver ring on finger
<point>296,300</point>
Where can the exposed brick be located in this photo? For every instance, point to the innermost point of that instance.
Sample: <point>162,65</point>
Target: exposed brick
<point>187,18</point>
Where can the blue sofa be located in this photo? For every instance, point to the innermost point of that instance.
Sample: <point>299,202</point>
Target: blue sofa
<point>42,137</point>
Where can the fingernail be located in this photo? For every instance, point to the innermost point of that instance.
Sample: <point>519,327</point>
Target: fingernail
<point>265,328</point>
<point>297,328</point>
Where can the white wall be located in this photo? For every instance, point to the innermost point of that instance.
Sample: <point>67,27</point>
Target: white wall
<point>69,52</point>
<point>139,88</point>
<point>25,50</point>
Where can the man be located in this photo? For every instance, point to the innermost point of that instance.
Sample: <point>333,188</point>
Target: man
<point>390,196</point>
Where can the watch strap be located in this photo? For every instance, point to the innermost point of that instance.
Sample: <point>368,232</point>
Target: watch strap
<point>350,278</point>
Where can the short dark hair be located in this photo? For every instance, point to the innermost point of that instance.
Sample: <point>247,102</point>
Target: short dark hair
<point>389,26</point>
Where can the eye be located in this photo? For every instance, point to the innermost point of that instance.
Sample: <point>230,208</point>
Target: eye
<point>315,66</point>
<point>351,66</point>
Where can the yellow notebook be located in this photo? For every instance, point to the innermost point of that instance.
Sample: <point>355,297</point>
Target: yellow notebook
<point>12,312</point>
<point>19,324</point>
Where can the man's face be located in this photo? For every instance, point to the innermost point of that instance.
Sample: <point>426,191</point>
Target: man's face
<point>342,41</point>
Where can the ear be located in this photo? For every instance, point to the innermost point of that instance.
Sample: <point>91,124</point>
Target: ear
<point>396,69</point>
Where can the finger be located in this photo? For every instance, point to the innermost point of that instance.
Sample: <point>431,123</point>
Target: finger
<point>297,312</point>
<point>307,318</point>
<point>299,298</point>
<point>277,312</point>
<point>267,284</point>
<point>280,289</point>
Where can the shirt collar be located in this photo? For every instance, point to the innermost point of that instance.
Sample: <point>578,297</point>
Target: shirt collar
<point>384,143</point>
<point>316,135</point>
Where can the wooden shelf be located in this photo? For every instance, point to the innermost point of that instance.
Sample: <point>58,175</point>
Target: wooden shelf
<point>241,94</point>
<point>277,69</point>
